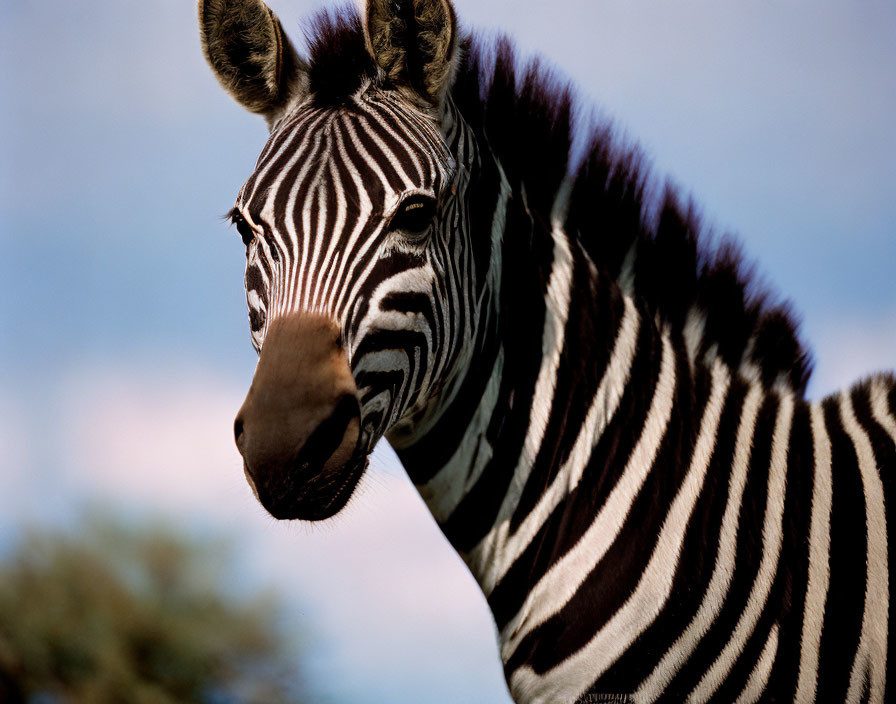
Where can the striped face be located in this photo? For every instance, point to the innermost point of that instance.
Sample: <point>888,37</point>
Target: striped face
<point>353,217</point>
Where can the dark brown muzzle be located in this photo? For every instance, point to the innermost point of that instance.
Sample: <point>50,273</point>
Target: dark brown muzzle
<point>298,430</point>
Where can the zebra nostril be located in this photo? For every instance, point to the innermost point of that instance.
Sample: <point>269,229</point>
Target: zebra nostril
<point>237,430</point>
<point>335,439</point>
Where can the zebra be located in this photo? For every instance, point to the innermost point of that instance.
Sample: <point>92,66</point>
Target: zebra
<point>605,416</point>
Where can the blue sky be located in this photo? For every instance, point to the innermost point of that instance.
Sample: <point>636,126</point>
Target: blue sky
<point>127,351</point>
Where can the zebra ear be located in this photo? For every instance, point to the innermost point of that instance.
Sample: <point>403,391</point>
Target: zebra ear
<point>414,43</point>
<point>250,54</point>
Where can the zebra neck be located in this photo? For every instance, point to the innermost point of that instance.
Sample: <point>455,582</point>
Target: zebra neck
<point>602,362</point>
<point>506,456</point>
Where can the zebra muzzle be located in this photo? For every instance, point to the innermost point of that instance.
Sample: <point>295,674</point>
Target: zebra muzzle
<point>299,429</point>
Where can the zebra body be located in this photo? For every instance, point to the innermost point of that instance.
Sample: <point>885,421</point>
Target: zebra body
<point>611,433</point>
<point>704,539</point>
<point>688,557</point>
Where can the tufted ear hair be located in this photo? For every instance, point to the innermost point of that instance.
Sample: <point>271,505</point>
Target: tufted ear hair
<point>250,54</point>
<point>414,43</point>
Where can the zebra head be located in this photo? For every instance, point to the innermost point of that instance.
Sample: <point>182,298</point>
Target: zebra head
<point>358,278</point>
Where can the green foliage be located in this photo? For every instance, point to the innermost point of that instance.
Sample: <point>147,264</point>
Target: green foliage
<point>118,615</point>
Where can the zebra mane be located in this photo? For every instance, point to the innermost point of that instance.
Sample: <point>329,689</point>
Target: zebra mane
<point>647,238</point>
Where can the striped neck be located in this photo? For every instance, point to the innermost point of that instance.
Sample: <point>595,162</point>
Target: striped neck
<point>643,521</point>
<point>509,449</point>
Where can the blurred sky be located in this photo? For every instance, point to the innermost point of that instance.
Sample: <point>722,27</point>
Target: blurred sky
<point>125,349</point>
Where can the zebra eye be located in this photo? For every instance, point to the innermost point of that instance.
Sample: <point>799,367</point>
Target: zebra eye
<point>242,227</point>
<point>415,215</point>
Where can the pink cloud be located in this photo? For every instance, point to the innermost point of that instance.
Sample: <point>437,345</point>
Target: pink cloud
<point>379,583</point>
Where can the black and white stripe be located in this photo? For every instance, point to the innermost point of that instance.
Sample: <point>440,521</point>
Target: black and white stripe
<point>680,542</point>
<point>604,421</point>
<point>319,206</point>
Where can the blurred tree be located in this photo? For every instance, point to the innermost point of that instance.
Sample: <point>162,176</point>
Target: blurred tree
<point>127,615</point>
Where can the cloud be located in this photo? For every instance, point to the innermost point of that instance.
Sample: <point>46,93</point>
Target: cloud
<point>158,437</point>
<point>16,456</point>
<point>394,613</point>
